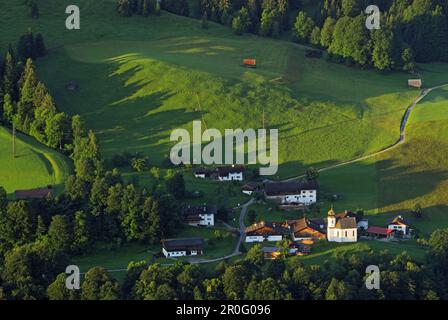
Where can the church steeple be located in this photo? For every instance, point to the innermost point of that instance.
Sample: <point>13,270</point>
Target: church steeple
<point>331,220</point>
<point>331,212</point>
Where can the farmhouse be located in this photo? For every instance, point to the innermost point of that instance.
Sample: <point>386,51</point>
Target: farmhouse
<point>231,173</point>
<point>33,193</point>
<point>379,233</point>
<point>203,215</point>
<point>264,231</point>
<point>361,222</point>
<point>250,63</point>
<point>341,229</point>
<point>249,188</point>
<point>292,192</point>
<point>415,83</point>
<point>304,229</point>
<point>399,225</point>
<point>200,173</point>
<point>182,247</point>
<point>271,253</point>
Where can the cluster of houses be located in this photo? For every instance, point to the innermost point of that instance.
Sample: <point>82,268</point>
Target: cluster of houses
<point>343,228</point>
<point>224,173</point>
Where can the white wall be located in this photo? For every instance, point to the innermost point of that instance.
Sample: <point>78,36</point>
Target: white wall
<point>397,227</point>
<point>342,235</point>
<point>305,197</point>
<point>232,176</point>
<point>174,253</point>
<point>262,238</point>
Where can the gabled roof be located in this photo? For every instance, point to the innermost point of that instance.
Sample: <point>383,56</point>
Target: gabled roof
<point>346,223</point>
<point>265,228</point>
<point>33,193</point>
<point>191,213</point>
<point>183,244</point>
<point>251,186</point>
<point>226,170</point>
<point>379,230</point>
<point>305,226</point>
<point>287,188</point>
<point>399,220</point>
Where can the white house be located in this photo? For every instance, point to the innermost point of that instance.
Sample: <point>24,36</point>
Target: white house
<point>341,229</point>
<point>249,188</point>
<point>173,248</point>
<point>231,173</point>
<point>264,231</point>
<point>292,192</point>
<point>200,173</point>
<point>399,224</point>
<point>203,215</point>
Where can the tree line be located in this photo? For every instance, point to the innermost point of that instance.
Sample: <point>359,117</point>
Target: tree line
<point>411,30</point>
<point>254,278</point>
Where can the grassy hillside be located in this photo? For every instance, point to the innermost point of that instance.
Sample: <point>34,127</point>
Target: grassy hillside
<point>138,78</point>
<point>34,166</point>
<point>414,173</point>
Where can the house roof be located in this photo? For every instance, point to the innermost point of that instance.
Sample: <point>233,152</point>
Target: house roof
<point>183,244</point>
<point>191,213</point>
<point>251,186</point>
<point>399,220</point>
<point>291,187</point>
<point>270,249</point>
<point>33,193</point>
<point>199,170</point>
<point>265,228</point>
<point>305,226</point>
<point>346,223</point>
<point>226,170</point>
<point>379,230</point>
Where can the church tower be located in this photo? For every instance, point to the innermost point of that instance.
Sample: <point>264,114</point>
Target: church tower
<point>331,223</point>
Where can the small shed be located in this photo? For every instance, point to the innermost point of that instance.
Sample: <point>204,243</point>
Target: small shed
<point>250,63</point>
<point>415,83</point>
<point>33,193</point>
<point>72,86</point>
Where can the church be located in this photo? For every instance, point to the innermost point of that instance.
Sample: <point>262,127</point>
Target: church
<point>341,228</point>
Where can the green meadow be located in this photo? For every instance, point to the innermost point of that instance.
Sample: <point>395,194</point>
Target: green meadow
<point>413,173</point>
<point>34,166</point>
<point>139,78</point>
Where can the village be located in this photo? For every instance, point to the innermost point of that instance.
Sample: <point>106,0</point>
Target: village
<point>288,237</point>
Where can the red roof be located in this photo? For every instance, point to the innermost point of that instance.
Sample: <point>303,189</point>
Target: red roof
<point>379,230</point>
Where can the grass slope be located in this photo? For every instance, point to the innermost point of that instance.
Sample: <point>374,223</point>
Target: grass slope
<point>414,173</point>
<point>34,166</point>
<point>139,77</point>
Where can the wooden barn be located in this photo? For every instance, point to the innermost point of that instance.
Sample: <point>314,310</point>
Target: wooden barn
<point>33,194</point>
<point>415,83</point>
<point>250,63</point>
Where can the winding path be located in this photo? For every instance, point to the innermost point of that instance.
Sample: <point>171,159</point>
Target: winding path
<point>400,140</point>
<point>246,205</point>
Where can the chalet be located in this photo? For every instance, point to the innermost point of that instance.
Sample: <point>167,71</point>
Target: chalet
<point>265,231</point>
<point>379,233</point>
<point>361,222</point>
<point>415,83</point>
<point>399,225</point>
<point>305,229</point>
<point>200,173</point>
<point>33,193</point>
<point>203,215</point>
<point>271,253</point>
<point>172,248</point>
<point>231,173</point>
<point>249,188</point>
<point>292,192</point>
<point>250,63</point>
<point>342,228</point>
